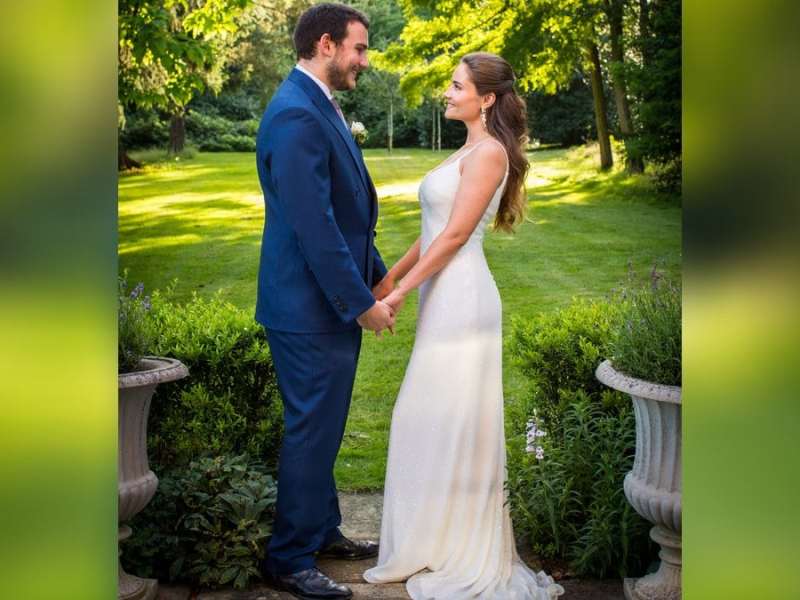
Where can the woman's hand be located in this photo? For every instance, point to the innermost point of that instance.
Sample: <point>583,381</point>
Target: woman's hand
<point>384,287</point>
<point>395,300</point>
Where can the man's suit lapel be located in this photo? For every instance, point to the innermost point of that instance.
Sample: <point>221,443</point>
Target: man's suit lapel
<point>326,108</point>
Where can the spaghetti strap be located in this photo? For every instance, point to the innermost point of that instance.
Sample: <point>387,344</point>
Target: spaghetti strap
<point>508,162</point>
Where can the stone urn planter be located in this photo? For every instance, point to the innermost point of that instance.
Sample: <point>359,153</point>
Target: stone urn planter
<point>653,487</point>
<point>136,483</point>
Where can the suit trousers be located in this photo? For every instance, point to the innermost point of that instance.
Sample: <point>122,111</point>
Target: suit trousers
<point>315,374</point>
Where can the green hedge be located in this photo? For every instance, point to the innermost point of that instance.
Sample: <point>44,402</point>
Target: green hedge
<point>217,134</point>
<point>230,402</point>
<point>570,504</point>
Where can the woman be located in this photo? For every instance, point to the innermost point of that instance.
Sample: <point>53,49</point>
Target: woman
<point>446,526</point>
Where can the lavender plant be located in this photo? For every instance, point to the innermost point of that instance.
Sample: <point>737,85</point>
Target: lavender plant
<point>135,330</point>
<point>646,341</point>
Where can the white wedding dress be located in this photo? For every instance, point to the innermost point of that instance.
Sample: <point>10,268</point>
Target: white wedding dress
<point>446,527</point>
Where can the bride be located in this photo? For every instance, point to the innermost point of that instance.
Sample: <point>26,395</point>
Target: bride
<point>446,526</point>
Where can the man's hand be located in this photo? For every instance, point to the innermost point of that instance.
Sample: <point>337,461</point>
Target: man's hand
<point>377,318</point>
<point>383,288</point>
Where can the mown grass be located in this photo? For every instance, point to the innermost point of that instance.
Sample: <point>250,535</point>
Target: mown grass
<point>200,219</point>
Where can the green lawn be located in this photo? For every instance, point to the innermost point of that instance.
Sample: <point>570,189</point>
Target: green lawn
<point>200,221</point>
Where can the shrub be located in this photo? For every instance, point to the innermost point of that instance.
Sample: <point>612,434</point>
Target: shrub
<point>144,129</point>
<point>214,133</point>
<point>570,504</point>
<point>559,352</point>
<point>135,331</point>
<point>230,402</point>
<point>207,524</point>
<point>646,342</point>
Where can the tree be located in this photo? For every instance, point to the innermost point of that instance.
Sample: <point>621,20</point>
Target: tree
<point>168,51</point>
<point>262,53</point>
<point>379,86</point>
<point>599,99</point>
<point>546,42</point>
<point>614,10</point>
<point>656,81</point>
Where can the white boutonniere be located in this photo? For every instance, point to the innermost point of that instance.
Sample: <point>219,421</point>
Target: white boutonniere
<point>358,131</point>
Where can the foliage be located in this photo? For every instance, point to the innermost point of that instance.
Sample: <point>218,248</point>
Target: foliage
<point>218,134</point>
<point>206,525</point>
<point>646,342</point>
<point>263,53</point>
<point>571,504</point>
<point>144,129</point>
<point>170,49</point>
<point>135,330</point>
<point>229,403</point>
<point>559,351</point>
<point>563,118</point>
<point>656,82</point>
<point>544,41</point>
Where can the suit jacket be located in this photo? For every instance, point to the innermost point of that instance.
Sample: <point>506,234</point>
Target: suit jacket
<point>318,256</point>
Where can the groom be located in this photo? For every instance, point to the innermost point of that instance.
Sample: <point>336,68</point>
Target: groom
<point>318,270</point>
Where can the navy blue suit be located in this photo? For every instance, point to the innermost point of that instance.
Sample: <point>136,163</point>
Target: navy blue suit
<point>318,266</point>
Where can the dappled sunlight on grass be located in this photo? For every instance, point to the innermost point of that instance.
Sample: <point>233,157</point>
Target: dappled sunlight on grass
<point>164,242</point>
<point>201,221</point>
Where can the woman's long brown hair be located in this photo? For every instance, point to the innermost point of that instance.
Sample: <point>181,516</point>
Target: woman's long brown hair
<point>507,121</point>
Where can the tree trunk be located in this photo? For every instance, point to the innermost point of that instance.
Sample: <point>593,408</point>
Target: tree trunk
<point>125,162</point>
<point>390,126</point>
<point>606,159</point>
<point>433,127</point>
<point>177,133</point>
<point>614,9</point>
<point>438,128</point>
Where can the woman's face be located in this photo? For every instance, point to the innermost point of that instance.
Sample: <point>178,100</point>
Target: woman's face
<point>463,102</point>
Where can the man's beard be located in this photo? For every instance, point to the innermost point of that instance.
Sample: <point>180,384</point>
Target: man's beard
<point>337,77</point>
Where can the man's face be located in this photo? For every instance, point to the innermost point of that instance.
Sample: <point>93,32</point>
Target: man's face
<point>350,58</point>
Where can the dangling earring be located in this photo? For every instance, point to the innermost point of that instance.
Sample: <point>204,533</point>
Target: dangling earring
<point>483,119</point>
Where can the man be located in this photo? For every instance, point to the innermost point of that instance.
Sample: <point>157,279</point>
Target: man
<point>318,270</point>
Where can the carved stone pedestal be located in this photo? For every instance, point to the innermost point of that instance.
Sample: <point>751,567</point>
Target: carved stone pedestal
<point>653,487</point>
<point>136,483</point>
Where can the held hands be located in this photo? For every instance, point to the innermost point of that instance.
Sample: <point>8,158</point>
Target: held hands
<point>383,288</point>
<point>395,300</point>
<point>381,316</point>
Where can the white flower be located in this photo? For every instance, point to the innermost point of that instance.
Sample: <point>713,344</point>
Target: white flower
<point>532,432</point>
<point>357,127</point>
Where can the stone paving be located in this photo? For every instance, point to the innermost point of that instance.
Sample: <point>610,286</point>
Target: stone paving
<point>361,517</point>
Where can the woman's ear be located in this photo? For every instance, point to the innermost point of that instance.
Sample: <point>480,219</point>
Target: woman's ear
<point>488,100</point>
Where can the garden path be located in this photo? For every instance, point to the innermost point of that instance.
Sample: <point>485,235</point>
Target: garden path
<point>361,518</point>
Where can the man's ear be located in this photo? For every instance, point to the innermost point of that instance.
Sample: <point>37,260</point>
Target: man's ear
<point>326,46</point>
